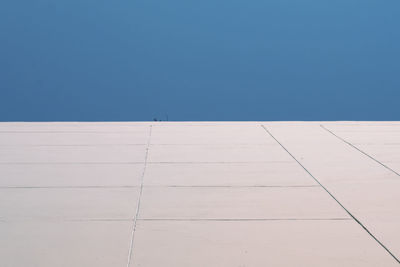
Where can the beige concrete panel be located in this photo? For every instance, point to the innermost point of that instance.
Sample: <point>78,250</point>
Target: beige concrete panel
<point>218,134</point>
<point>387,231</point>
<point>73,126</point>
<point>369,138</point>
<point>73,154</point>
<point>376,205</point>
<point>395,165</point>
<point>381,143</point>
<point>389,155</point>
<point>65,244</point>
<point>256,244</point>
<point>363,127</point>
<point>238,203</point>
<point>68,204</point>
<point>73,138</point>
<point>382,153</point>
<point>217,153</point>
<point>70,175</point>
<point>234,174</point>
<point>372,200</point>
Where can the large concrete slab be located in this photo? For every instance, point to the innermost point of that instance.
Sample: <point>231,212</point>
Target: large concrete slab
<point>217,153</point>
<point>72,154</point>
<point>211,134</point>
<point>381,143</point>
<point>267,243</point>
<point>71,175</point>
<point>238,203</point>
<point>73,138</point>
<point>68,203</point>
<point>64,244</point>
<point>86,127</point>
<point>222,174</point>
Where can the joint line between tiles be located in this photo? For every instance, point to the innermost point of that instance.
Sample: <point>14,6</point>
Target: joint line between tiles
<point>130,253</point>
<point>337,201</point>
<point>155,186</point>
<point>359,150</point>
<point>243,219</point>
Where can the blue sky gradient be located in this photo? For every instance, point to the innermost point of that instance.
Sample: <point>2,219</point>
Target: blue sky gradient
<point>84,60</point>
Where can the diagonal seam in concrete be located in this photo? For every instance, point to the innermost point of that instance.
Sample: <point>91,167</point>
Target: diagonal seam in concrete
<point>353,146</point>
<point>337,201</point>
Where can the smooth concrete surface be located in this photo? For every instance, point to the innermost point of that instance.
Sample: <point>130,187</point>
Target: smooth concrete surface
<point>184,194</point>
<point>217,153</point>
<point>74,138</point>
<point>381,144</point>
<point>72,154</point>
<point>209,135</point>
<point>70,175</point>
<point>68,203</point>
<point>239,203</point>
<point>268,243</point>
<point>65,244</point>
<point>232,174</point>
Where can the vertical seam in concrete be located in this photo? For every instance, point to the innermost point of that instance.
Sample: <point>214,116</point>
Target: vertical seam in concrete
<point>139,198</point>
<point>337,201</point>
<point>359,150</point>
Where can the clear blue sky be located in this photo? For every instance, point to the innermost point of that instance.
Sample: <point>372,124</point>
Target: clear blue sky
<point>199,60</point>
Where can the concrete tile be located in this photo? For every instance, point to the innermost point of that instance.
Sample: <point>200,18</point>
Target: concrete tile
<point>381,143</point>
<point>238,203</point>
<point>235,174</point>
<point>73,126</point>
<point>266,243</point>
<point>217,134</point>
<point>66,244</point>
<point>382,153</point>
<point>387,231</point>
<point>217,153</point>
<point>364,127</point>
<point>371,138</point>
<point>68,204</point>
<point>377,199</point>
<point>375,204</point>
<point>367,135</point>
<point>74,138</point>
<point>394,165</point>
<point>53,175</point>
<point>66,154</point>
